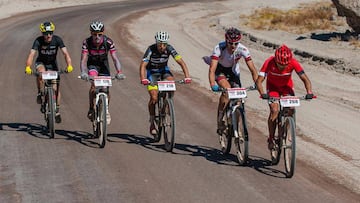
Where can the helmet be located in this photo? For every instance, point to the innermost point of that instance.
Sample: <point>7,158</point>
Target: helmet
<point>283,55</point>
<point>97,26</point>
<point>47,27</point>
<point>232,35</point>
<point>162,36</point>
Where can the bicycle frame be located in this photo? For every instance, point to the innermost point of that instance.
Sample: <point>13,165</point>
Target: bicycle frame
<point>236,126</point>
<point>50,79</point>
<point>165,118</point>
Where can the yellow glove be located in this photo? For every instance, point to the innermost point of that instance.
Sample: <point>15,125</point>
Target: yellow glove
<point>69,69</point>
<point>28,70</point>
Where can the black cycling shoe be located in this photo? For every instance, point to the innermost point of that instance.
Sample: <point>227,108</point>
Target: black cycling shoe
<point>58,118</point>
<point>38,98</point>
<point>91,115</point>
<point>42,108</point>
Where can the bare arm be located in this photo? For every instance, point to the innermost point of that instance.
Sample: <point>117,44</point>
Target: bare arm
<point>83,62</point>
<point>66,55</point>
<point>251,66</point>
<point>306,82</point>
<point>142,70</point>
<point>116,61</point>
<point>184,68</point>
<point>30,58</point>
<point>258,83</point>
<point>212,70</point>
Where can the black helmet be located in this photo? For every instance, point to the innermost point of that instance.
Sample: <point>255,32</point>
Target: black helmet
<point>97,26</point>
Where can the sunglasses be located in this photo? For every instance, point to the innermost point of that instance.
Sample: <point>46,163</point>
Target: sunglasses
<point>48,33</point>
<point>97,34</point>
<point>233,43</point>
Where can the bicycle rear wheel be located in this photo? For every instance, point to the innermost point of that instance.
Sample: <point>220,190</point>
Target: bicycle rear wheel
<point>101,121</point>
<point>289,146</point>
<point>242,142</point>
<point>50,111</point>
<point>169,124</point>
<point>226,135</point>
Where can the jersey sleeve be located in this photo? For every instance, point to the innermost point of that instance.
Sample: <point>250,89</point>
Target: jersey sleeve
<point>111,45</point>
<point>216,52</point>
<point>265,67</point>
<point>84,48</point>
<point>297,67</point>
<point>173,52</point>
<point>244,52</point>
<point>147,55</point>
<point>59,41</point>
<point>36,44</point>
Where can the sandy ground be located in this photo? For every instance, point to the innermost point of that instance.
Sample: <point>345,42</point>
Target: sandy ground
<point>329,126</point>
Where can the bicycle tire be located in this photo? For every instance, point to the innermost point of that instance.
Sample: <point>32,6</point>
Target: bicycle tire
<point>169,124</point>
<point>158,120</point>
<point>242,142</point>
<point>51,112</point>
<point>289,146</point>
<point>226,135</point>
<point>101,121</point>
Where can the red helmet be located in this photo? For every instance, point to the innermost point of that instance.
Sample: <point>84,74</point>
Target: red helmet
<point>232,35</point>
<point>283,55</point>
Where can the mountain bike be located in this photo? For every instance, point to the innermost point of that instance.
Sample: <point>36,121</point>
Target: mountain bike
<point>101,107</point>
<point>234,119</point>
<point>165,113</point>
<point>285,138</point>
<point>48,99</point>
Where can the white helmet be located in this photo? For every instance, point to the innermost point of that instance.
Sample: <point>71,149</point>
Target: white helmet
<point>162,36</point>
<point>97,26</point>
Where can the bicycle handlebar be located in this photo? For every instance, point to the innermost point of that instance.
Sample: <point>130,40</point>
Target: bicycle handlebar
<point>91,78</point>
<point>182,81</point>
<point>299,97</point>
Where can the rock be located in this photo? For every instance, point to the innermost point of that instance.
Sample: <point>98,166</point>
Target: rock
<point>351,10</point>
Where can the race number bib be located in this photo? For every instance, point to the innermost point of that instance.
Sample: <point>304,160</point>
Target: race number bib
<point>166,85</point>
<point>236,93</point>
<point>102,81</point>
<point>49,75</point>
<point>289,101</point>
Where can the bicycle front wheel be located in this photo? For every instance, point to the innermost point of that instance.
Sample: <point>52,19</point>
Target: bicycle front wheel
<point>169,124</point>
<point>101,121</point>
<point>289,146</point>
<point>225,136</point>
<point>242,141</point>
<point>50,111</point>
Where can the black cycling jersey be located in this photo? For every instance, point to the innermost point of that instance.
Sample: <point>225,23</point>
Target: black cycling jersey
<point>157,60</point>
<point>98,55</point>
<point>47,51</point>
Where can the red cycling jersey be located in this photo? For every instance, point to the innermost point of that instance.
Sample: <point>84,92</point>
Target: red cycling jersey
<point>279,82</point>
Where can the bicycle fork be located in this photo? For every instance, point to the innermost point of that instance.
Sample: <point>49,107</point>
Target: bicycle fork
<point>97,101</point>
<point>234,120</point>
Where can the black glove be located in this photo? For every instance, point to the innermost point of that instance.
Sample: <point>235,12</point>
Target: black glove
<point>265,96</point>
<point>309,96</point>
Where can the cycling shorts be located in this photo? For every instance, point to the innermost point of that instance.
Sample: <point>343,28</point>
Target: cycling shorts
<point>274,91</point>
<point>222,73</point>
<point>50,67</point>
<point>98,71</point>
<point>157,74</point>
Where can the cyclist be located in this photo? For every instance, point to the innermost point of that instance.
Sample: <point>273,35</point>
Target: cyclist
<point>154,67</point>
<point>47,46</point>
<point>277,69</point>
<point>94,61</point>
<point>224,68</point>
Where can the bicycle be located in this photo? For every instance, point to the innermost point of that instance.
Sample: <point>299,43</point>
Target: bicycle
<point>48,99</point>
<point>234,119</point>
<point>101,105</point>
<point>285,140</point>
<point>165,113</point>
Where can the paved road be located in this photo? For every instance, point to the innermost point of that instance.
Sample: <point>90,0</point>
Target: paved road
<point>131,168</point>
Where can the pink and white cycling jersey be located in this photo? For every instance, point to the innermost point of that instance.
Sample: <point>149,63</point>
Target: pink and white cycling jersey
<point>227,59</point>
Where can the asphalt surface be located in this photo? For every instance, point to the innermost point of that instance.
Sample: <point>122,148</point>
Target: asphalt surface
<point>131,168</point>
